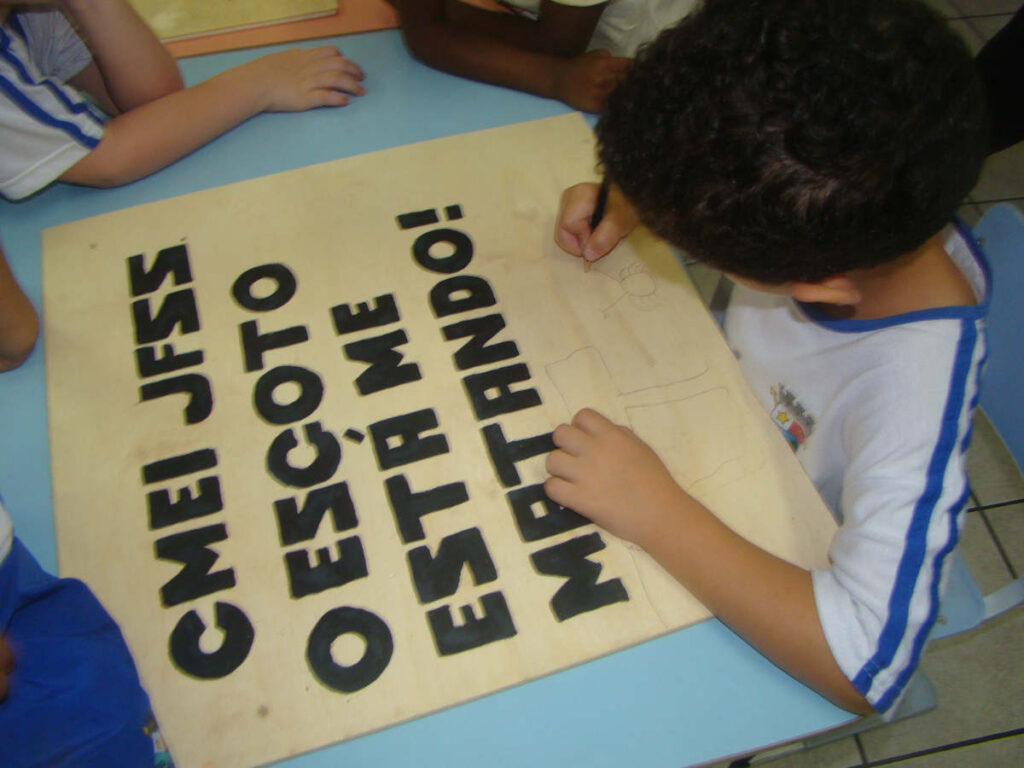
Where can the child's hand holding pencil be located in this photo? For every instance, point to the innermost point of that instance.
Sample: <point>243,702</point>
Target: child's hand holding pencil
<point>592,219</point>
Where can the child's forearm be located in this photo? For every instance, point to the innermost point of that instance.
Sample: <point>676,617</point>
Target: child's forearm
<point>136,68</point>
<point>561,30</point>
<point>154,135</point>
<point>608,474</point>
<point>544,58</point>
<point>582,82</point>
<point>767,601</point>
<point>150,137</point>
<point>19,324</point>
<point>486,59</point>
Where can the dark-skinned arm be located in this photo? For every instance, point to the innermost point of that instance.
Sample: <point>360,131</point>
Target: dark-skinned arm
<point>544,57</point>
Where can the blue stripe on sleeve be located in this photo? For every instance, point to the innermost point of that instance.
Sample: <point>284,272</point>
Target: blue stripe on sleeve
<point>77,107</point>
<point>887,698</point>
<point>909,569</point>
<point>33,109</point>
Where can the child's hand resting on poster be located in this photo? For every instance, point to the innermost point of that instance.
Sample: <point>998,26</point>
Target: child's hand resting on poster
<point>609,475</point>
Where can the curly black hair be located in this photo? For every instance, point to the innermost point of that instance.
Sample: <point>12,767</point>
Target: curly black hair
<point>786,140</point>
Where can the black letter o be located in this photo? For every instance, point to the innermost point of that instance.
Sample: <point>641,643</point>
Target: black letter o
<point>341,621</point>
<point>282,294</point>
<point>458,260</point>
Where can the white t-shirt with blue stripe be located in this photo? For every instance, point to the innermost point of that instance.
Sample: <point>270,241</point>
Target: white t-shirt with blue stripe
<point>879,413</point>
<point>46,126</point>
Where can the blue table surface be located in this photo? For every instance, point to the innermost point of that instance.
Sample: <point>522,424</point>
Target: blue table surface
<point>692,696</point>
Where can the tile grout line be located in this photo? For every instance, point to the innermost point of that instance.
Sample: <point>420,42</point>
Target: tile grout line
<point>860,750</point>
<point>999,545</point>
<point>997,200</point>
<point>979,507</point>
<point>946,747</point>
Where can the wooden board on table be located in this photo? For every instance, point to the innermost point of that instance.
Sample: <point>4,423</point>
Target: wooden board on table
<point>353,16</point>
<point>181,19</point>
<point>312,410</point>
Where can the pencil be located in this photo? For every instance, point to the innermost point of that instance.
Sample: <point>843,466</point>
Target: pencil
<point>598,214</point>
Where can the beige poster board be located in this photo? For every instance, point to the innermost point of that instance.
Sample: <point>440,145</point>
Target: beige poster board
<point>312,410</point>
<point>180,19</point>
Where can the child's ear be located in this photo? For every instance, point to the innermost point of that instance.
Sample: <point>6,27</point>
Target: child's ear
<point>839,289</point>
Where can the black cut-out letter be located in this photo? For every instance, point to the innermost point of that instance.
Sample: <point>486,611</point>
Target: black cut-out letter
<point>491,394</point>
<point>397,440</point>
<point>461,294</point>
<point>234,647</point>
<point>437,576</point>
<point>191,549</point>
<point>555,518</point>
<point>409,507</point>
<point>148,364</point>
<point>297,525</point>
<point>476,352</point>
<point>304,578</point>
<point>311,392</point>
<point>173,260</point>
<point>179,466</point>
<point>178,309</point>
<point>376,655</point>
<point>164,512</point>
<point>495,624</point>
<point>320,470</point>
<point>254,343</point>
<point>384,312</point>
<point>195,385</point>
<point>505,454</point>
<point>386,369</point>
<point>284,288</point>
<point>460,256</point>
<point>581,592</point>
<point>414,219</point>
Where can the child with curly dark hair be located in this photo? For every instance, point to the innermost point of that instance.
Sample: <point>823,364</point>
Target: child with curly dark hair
<point>815,151</point>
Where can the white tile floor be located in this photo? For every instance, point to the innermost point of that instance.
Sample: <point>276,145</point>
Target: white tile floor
<point>979,675</point>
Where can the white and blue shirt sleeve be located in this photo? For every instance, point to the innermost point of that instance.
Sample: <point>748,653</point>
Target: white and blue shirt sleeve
<point>47,126</point>
<point>880,415</point>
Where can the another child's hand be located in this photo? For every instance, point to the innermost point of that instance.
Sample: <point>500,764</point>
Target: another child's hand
<point>572,231</point>
<point>584,82</point>
<point>611,476</point>
<point>303,78</point>
<point>6,666</point>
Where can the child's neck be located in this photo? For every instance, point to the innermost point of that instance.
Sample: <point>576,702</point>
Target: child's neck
<point>924,279</point>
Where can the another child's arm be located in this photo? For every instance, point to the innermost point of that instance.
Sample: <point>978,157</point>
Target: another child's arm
<point>147,138</point>
<point>130,66</point>
<point>573,233</point>
<point>545,57</point>
<point>19,324</point>
<point>6,666</point>
<point>606,473</point>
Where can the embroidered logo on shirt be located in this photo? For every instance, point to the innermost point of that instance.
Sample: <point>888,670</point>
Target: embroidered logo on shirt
<point>796,424</point>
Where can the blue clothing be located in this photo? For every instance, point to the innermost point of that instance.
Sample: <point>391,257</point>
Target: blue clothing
<point>74,700</point>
